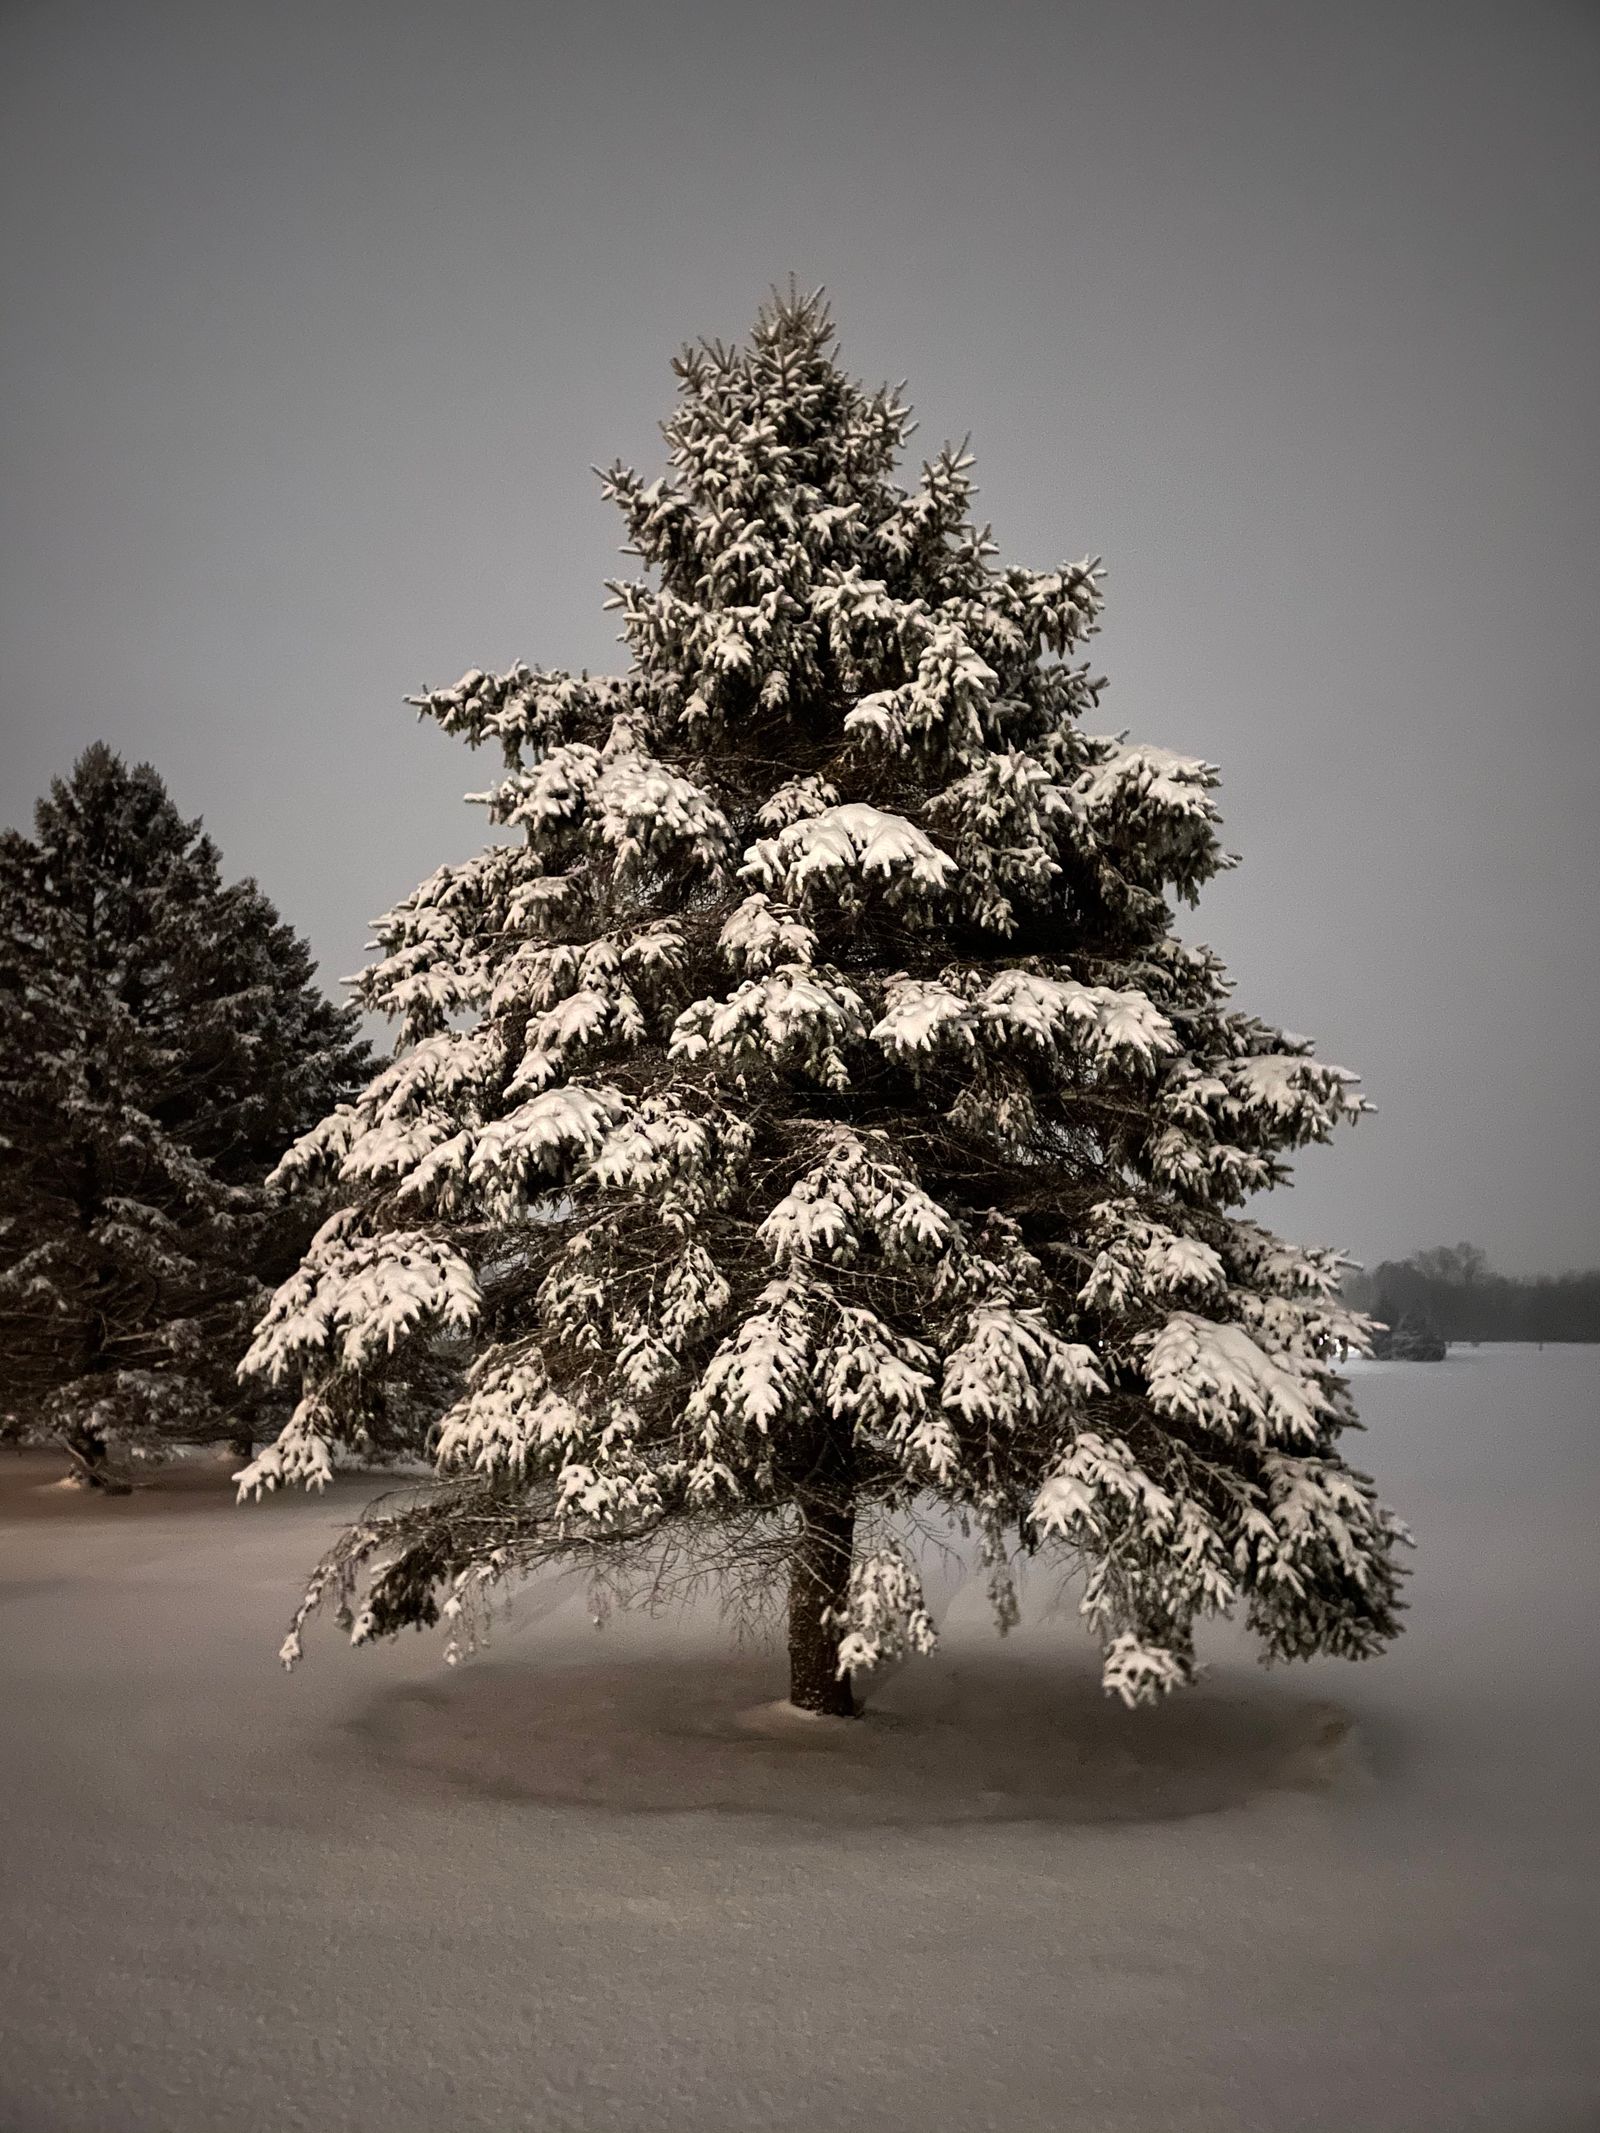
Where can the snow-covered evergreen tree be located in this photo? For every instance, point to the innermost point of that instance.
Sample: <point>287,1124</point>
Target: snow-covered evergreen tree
<point>163,1042</point>
<point>812,1114</point>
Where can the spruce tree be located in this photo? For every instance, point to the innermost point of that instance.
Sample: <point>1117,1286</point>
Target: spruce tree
<point>809,1116</point>
<point>1405,1336</point>
<point>163,1043</point>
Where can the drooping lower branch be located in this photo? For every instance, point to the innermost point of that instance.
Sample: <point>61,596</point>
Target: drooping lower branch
<point>89,1454</point>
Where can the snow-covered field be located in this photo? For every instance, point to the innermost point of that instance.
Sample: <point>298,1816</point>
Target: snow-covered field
<point>583,1883</point>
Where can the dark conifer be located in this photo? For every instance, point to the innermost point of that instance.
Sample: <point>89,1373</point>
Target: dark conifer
<point>162,1041</point>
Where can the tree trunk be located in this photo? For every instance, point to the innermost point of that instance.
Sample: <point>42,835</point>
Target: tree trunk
<point>819,1583</point>
<point>242,1442</point>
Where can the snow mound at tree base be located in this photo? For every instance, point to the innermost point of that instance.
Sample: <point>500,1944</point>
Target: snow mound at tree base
<point>78,1484</point>
<point>984,1738</point>
<point>783,1718</point>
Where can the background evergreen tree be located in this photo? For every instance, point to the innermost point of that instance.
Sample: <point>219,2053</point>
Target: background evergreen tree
<point>1405,1336</point>
<point>163,1042</point>
<point>812,1116</point>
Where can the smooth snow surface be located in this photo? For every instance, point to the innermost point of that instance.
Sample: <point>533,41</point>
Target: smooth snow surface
<point>594,1881</point>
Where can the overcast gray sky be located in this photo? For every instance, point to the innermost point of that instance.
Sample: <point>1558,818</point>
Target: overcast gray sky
<point>316,315</point>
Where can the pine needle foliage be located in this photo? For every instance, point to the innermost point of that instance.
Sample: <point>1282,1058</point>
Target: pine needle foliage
<point>810,1117</point>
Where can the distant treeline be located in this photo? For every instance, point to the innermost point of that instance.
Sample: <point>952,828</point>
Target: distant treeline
<point>1451,1289</point>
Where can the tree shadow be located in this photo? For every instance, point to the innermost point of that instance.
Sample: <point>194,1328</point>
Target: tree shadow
<point>967,1737</point>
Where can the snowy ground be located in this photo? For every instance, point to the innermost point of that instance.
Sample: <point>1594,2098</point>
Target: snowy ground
<point>576,1885</point>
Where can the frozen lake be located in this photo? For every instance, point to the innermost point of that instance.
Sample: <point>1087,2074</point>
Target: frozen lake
<point>572,1886</point>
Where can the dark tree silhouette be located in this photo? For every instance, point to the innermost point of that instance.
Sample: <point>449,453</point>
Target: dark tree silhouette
<point>162,1041</point>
